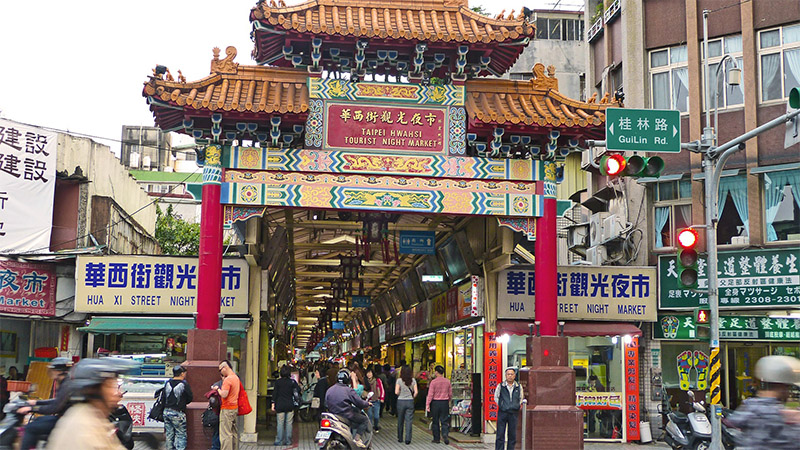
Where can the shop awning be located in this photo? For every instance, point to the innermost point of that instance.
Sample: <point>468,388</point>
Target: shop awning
<point>576,329</point>
<point>155,325</point>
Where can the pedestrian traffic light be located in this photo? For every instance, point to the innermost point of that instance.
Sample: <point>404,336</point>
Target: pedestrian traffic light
<point>794,98</point>
<point>687,257</point>
<point>703,316</point>
<point>636,166</point>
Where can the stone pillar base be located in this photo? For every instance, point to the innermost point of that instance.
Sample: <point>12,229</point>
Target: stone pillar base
<point>248,437</point>
<point>554,428</point>
<point>205,350</point>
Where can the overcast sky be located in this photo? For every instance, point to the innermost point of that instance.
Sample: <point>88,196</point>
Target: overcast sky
<point>80,65</point>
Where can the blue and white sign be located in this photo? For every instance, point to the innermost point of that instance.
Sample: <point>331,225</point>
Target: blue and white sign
<point>418,242</point>
<point>361,301</point>
<point>584,293</point>
<point>337,325</point>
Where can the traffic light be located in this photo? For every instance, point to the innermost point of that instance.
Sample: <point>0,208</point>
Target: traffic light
<point>687,257</point>
<point>703,316</point>
<point>636,166</point>
<point>794,98</point>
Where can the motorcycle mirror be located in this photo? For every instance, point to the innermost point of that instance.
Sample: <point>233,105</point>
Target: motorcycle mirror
<point>690,394</point>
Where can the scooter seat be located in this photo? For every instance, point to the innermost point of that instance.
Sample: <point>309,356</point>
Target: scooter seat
<point>679,417</point>
<point>344,420</point>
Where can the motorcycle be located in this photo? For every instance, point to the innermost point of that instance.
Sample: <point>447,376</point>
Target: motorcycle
<point>688,431</point>
<point>335,432</point>
<point>730,434</point>
<point>11,424</point>
<point>305,411</point>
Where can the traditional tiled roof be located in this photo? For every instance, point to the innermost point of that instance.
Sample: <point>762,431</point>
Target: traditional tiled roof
<point>429,20</point>
<point>533,102</point>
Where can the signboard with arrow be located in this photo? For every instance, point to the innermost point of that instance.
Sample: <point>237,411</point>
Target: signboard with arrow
<point>644,130</point>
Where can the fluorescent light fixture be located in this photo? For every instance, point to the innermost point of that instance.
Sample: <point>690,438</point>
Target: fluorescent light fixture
<point>345,334</point>
<point>787,315</point>
<point>432,278</point>
<point>614,340</point>
<point>292,323</point>
<point>627,339</point>
<point>318,288</point>
<point>323,296</point>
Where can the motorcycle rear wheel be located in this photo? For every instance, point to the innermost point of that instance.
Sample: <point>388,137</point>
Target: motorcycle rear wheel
<point>336,444</point>
<point>306,414</point>
<point>702,445</point>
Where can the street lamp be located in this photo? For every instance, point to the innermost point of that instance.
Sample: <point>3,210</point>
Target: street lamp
<point>734,78</point>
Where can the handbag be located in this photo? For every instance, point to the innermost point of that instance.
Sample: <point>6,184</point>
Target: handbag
<point>210,418</point>
<point>315,402</point>
<point>157,411</point>
<point>244,407</point>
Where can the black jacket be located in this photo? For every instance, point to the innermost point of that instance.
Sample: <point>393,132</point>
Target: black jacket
<point>282,394</point>
<point>55,405</point>
<point>319,391</point>
<point>177,394</point>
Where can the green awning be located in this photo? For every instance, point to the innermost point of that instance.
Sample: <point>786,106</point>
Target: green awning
<point>155,325</point>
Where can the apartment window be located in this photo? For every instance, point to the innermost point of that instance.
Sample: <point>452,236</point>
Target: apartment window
<point>559,29</point>
<point>782,205</point>
<point>779,61</point>
<point>728,95</point>
<point>672,210</point>
<point>734,218</point>
<point>669,79</point>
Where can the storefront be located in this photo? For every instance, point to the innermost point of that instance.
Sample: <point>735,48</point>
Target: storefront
<point>759,298</point>
<point>601,308</point>
<point>141,308</point>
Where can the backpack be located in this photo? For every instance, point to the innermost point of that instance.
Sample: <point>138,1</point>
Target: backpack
<point>157,411</point>
<point>210,418</point>
<point>243,401</point>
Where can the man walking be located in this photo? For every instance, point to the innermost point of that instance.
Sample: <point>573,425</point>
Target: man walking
<point>508,397</point>
<point>177,394</point>
<point>229,392</point>
<point>440,392</point>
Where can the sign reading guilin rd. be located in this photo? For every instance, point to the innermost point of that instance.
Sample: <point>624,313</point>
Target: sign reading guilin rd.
<point>645,130</point>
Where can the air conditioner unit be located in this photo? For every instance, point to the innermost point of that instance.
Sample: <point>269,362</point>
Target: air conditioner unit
<point>597,255</point>
<point>612,227</point>
<point>577,235</point>
<point>591,156</point>
<point>596,222</point>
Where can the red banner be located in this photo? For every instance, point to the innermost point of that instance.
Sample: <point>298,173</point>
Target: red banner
<point>392,128</point>
<point>632,389</point>
<point>27,288</point>
<point>492,374</point>
<point>65,331</point>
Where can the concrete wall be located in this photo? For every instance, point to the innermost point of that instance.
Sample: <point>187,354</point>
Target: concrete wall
<point>107,177</point>
<point>567,57</point>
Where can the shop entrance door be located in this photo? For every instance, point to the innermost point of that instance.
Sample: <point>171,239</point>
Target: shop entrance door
<point>741,365</point>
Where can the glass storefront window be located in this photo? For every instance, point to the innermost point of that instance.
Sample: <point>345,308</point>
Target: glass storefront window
<point>597,362</point>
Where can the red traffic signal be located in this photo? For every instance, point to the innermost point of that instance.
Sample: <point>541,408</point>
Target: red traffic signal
<point>703,316</point>
<point>687,238</point>
<point>613,165</point>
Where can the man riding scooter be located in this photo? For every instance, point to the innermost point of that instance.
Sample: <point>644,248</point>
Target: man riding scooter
<point>340,400</point>
<point>38,429</point>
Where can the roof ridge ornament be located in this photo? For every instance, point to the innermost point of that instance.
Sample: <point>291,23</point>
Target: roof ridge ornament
<point>225,65</point>
<point>544,81</point>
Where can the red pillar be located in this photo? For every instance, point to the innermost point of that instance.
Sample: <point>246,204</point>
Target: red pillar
<point>209,277</point>
<point>546,270</point>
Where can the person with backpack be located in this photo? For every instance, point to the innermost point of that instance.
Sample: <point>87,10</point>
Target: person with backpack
<point>284,400</point>
<point>177,394</point>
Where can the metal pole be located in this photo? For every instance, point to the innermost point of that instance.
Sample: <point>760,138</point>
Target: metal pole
<point>524,421</point>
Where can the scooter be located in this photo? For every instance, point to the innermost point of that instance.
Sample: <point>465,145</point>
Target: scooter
<point>335,433</point>
<point>305,411</point>
<point>11,424</point>
<point>730,434</point>
<point>688,431</point>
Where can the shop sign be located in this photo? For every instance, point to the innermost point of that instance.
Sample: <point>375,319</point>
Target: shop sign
<point>28,180</point>
<point>337,325</point>
<point>452,301</point>
<point>584,293</point>
<point>361,301</point>
<point>422,316</point>
<point>382,333</point>
<point>439,310</point>
<point>632,388</point>
<point>493,374</point>
<point>153,285</point>
<point>417,242</point>
<point>747,279</point>
<point>27,288</point>
<point>683,327</point>
<point>598,400</point>
<point>477,299</point>
<point>138,410</point>
<point>395,129</point>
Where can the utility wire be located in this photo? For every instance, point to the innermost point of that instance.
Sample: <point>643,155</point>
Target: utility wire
<point>729,6</point>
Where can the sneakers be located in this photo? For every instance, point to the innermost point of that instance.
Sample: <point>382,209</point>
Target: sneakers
<point>446,441</point>
<point>358,441</point>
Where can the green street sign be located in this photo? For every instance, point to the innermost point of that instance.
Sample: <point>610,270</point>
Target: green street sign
<point>644,130</point>
<point>764,278</point>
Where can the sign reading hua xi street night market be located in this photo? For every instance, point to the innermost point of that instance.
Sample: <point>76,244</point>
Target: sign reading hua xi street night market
<point>747,279</point>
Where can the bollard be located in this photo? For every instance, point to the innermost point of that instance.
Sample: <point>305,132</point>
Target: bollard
<point>524,421</point>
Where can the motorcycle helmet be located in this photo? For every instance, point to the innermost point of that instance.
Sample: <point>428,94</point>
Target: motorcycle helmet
<point>60,364</point>
<point>93,372</point>
<point>779,370</point>
<point>343,377</point>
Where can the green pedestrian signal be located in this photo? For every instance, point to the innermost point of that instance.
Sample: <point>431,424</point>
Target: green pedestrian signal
<point>794,98</point>
<point>687,258</point>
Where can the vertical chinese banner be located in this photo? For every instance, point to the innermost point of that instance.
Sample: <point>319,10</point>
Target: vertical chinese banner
<point>64,346</point>
<point>632,389</point>
<point>492,374</point>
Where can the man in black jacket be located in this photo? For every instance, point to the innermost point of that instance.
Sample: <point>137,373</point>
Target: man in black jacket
<point>508,397</point>
<point>177,394</point>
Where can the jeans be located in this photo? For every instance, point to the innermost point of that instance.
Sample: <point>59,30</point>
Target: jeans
<point>175,429</point>
<point>440,411</point>
<point>215,439</point>
<point>506,420</point>
<point>359,423</point>
<point>405,417</point>
<point>228,432</point>
<point>38,430</point>
<point>285,420</point>
<point>374,413</point>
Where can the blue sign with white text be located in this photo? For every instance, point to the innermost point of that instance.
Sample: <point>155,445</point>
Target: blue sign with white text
<point>361,301</point>
<point>417,242</point>
<point>337,325</point>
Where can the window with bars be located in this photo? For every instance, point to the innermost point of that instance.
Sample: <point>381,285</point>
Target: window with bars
<point>669,79</point>
<point>779,62</point>
<point>559,29</point>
